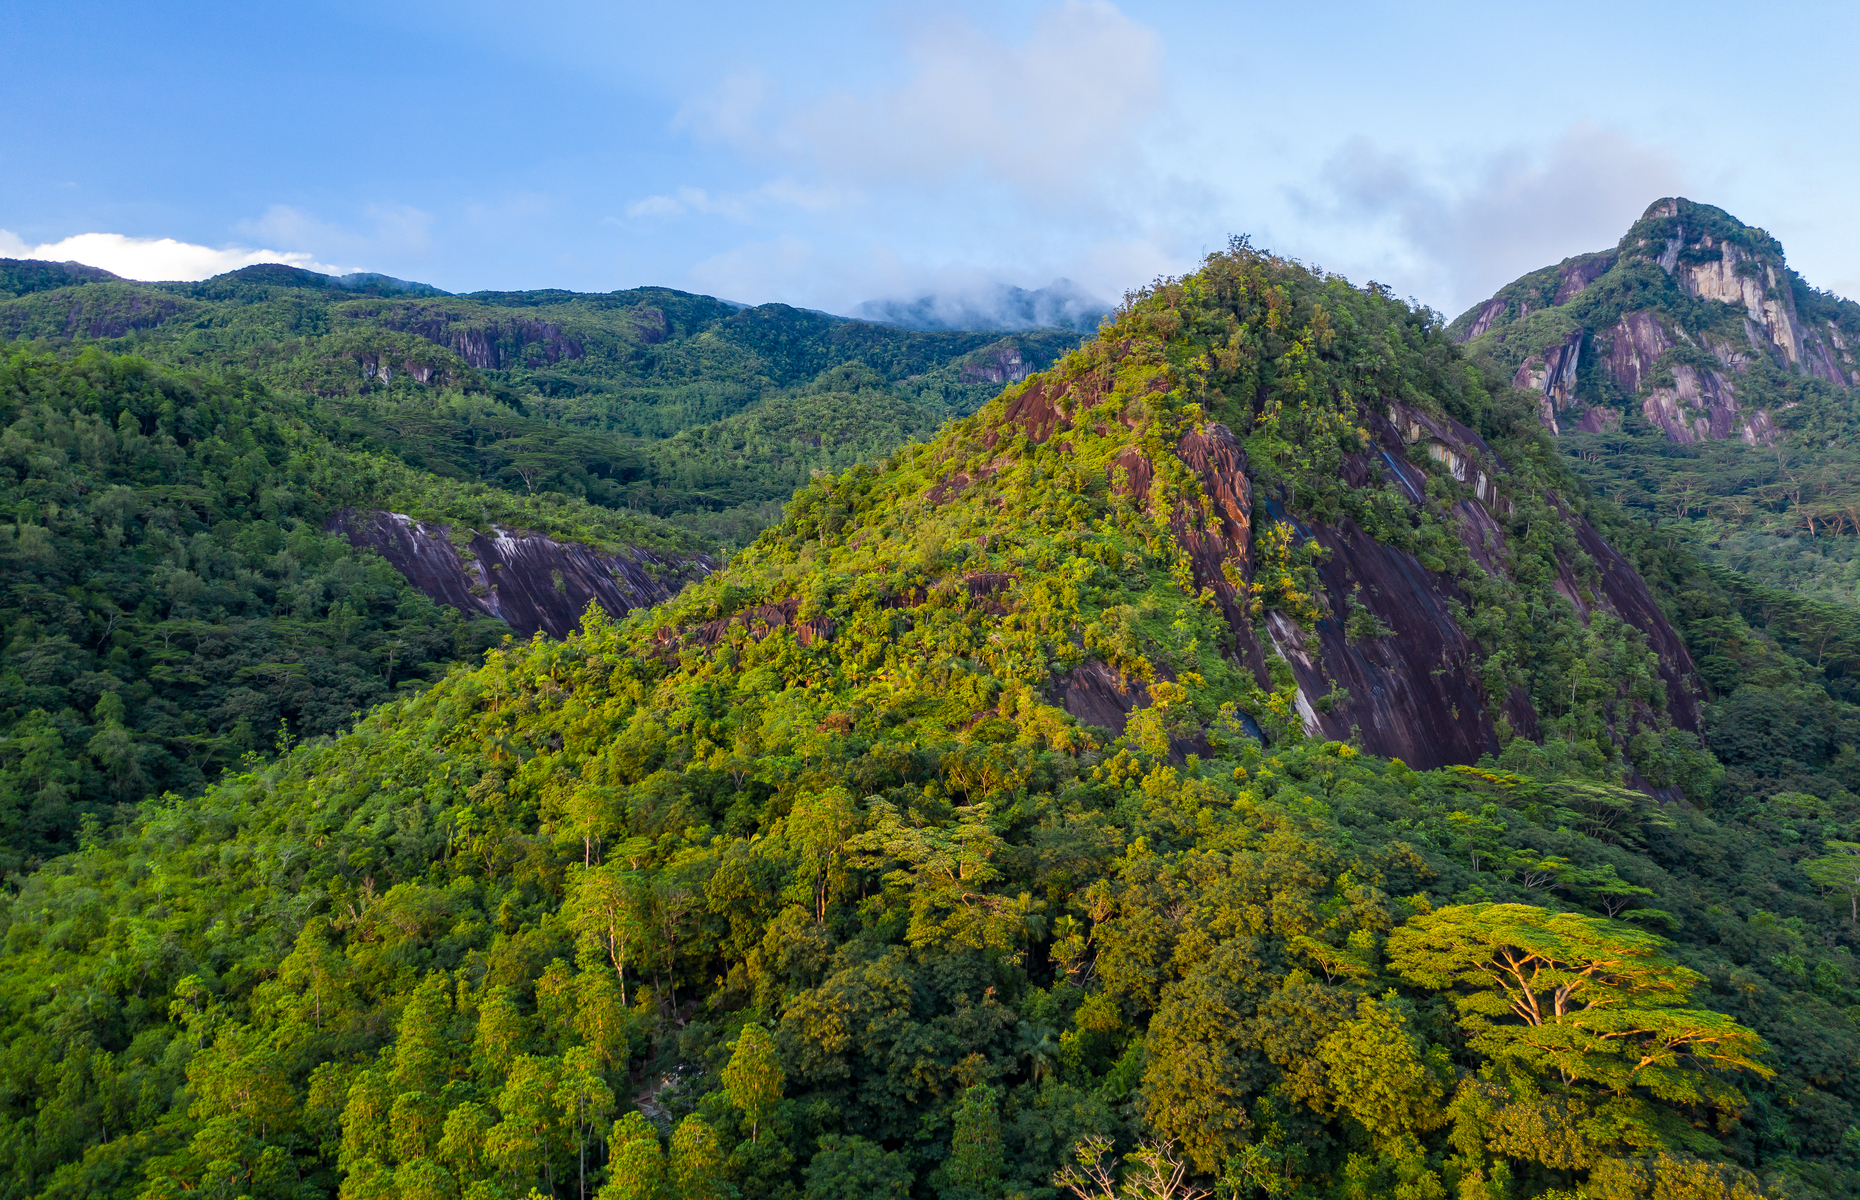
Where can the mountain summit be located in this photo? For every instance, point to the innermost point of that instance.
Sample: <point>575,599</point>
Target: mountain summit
<point>1694,320</point>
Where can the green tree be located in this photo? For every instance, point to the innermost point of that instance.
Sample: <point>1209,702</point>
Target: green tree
<point>557,1001</point>
<point>1580,997</point>
<point>1385,1076</point>
<point>819,827</point>
<point>609,915</point>
<point>1839,872</point>
<point>415,1124</point>
<point>975,1163</point>
<point>462,1144</point>
<point>599,1019</point>
<point>423,1041</point>
<point>851,1168</point>
<point>499,1037</point>
<point>424,1179</point>
<point>524,1145</point>
<point>366,1133</point>
<point>587,1103</point>
<point>697,1161</point>
<point>317,975</point>
<point>754,1078</point>
<point>635,1162</point>
<point>947,874</point>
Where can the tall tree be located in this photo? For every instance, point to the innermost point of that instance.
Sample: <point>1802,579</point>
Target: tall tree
<point>754,1078</point>
<point>973,1169</point>
<point>697,1161</point>
<point>587,1104</point>
<point>636,1161</point>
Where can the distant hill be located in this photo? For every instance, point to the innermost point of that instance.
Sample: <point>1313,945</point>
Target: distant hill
<point>1671,322</point>
<point>1697,379</point>
<point>542,391</point>
<point>1061,304</point>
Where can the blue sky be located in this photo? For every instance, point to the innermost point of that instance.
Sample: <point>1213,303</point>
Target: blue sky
<point>828,153</point>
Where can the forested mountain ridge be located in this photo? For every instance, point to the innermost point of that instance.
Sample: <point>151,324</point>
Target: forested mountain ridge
<point>816,880</point>
<point>176,598</point>
<point>542,390</point>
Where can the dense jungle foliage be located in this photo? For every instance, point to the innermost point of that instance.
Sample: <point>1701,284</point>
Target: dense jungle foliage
<point>800,886</point>
<point>551,391</point>
<point>171,453</point>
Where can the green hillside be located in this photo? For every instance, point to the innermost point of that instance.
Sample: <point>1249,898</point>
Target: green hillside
<point>813,882</point>
<point>540,391</point>
<point>171,453</point>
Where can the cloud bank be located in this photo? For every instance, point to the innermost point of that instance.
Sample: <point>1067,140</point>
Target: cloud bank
<point>973,162</point>
<point>1061,304</point>
<point>152,259</point>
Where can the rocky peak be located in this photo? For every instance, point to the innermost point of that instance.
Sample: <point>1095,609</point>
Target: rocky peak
<point>1000,363</point>
<point>1600,332</point>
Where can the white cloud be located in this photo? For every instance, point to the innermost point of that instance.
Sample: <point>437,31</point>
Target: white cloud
<point>1468,228</point>
<point>155,258</point>
<point>655,206</point>
<point>738,206</point>
<point>1041,117</point>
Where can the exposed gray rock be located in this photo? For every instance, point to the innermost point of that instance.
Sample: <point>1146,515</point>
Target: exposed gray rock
<point>528,581</point>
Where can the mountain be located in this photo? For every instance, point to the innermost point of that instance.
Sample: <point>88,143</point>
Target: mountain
<point>1678,346</point>
<point>1698,380</point>
<point>243,511</point>
<point>1016,807</point>
<point>1061,304</point>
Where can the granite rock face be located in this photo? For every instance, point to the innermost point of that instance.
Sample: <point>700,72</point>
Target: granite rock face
<point>1678,363</point>
<point>1001,363</point>
<point>498,343</point>
<point>1412,692</point>
<point>530,582</point>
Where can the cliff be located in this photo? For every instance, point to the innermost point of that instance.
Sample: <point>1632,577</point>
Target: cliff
<point>1670,323</point>
<point>530,582</point>
<point>1413,688</point>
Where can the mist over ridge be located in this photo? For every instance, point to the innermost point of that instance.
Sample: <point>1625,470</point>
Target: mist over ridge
<point>1061,304</point>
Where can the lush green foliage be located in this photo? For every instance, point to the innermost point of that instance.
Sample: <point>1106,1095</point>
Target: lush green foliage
<point>550,391</point>
<point>174,604</point>
<point>803,877</point>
